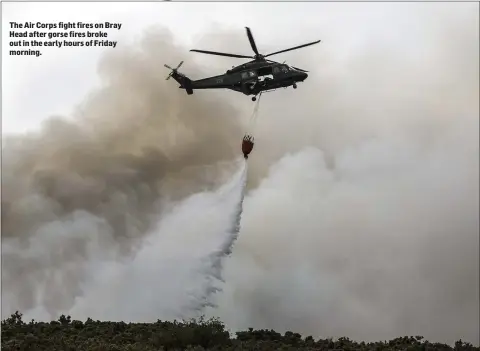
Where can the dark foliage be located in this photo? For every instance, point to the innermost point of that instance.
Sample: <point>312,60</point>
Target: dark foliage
<point>68,335</point>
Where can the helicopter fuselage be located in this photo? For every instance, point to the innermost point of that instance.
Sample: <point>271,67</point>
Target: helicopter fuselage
<point>250,78</point>
<point>253,78</point>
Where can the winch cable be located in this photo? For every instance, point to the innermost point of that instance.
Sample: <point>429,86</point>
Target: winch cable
<point>253,118</point>
<point>248,140</point>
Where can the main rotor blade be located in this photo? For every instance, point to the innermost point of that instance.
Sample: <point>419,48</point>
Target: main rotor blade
<point>252,41</point>
<point>221,54</point>
<point>294,48</point>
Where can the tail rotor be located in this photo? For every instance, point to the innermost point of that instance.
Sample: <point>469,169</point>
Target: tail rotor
<point>174,70</point>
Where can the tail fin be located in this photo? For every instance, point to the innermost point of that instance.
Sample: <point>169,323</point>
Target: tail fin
<point>183,80</point>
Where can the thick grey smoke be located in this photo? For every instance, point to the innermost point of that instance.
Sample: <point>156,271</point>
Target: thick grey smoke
<point>362,215</point>
<point>93,185</point>
<point>177,268</point>
<point>372,230</point>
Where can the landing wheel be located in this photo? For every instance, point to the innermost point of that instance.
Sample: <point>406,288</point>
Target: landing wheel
<point>294,86</point>
<point>254,98</point>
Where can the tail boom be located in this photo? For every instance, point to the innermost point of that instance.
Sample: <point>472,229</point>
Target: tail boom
<point>184,81</point>
<point>215,82</point>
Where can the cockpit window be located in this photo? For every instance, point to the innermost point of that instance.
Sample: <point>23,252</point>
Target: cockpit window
<point>284,68</point>
<point>252,74</point>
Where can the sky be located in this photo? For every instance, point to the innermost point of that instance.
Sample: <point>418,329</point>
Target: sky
<point>360,215</point>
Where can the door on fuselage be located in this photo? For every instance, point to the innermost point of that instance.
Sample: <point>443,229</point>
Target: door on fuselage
<point>276,71</point>
<point>265,76</point>
<point>280,72</point>
<point>249,80</point>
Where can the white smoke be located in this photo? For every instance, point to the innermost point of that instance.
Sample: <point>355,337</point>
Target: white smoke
<point>144,285</point>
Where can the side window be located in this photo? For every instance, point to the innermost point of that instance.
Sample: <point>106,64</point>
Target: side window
<point>284,69</point>
<point>252,74</point>
<point>244,75</point>
<point>276,70</point>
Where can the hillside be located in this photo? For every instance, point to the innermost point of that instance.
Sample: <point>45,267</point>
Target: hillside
<point>66,334</point>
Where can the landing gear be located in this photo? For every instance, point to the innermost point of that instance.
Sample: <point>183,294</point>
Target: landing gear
<point>294,85</point>
<point>254,98</point>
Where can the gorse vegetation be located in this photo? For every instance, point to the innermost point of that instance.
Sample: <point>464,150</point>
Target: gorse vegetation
<point>66,334</point>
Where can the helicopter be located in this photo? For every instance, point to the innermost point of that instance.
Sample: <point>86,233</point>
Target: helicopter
<point>251,78</point>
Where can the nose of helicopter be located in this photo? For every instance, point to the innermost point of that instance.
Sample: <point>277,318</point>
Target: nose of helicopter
<point>302,76</point>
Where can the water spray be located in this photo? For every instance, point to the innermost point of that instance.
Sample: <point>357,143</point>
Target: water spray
<point>214,261</point>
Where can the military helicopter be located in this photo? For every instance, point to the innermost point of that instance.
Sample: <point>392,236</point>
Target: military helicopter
<point>251,78</point>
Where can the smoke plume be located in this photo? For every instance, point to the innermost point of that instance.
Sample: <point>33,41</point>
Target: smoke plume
<point>95,184</point>
<point>361,216</point>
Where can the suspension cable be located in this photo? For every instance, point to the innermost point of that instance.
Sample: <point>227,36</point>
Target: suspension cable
<point>253,118</point>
